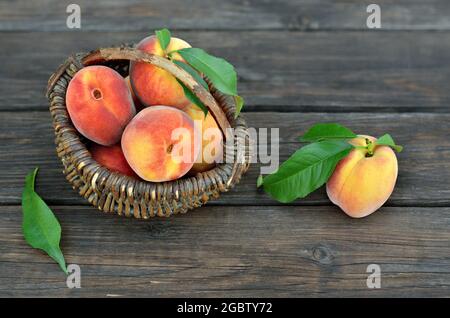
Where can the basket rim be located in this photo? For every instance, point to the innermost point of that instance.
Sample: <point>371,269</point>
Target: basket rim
<point>95,182</point>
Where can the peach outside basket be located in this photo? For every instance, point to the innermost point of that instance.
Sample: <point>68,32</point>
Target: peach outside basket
<point>112,192</point>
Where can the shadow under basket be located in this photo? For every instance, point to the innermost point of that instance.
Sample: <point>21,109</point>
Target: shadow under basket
<point>116,193</point>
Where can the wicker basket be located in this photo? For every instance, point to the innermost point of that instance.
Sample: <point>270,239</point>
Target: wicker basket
<point>116,193</point>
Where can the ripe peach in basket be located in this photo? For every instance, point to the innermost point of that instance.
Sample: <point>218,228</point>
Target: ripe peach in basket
<point>161,143</point>
<point>112,158</point>
<point>153,85</point>
<point>99,104</point>
<point>211,139</point>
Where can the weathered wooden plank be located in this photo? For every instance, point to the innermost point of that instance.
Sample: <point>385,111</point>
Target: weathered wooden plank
<point>234,252</point>
<point>104,15</point>
<point>288,71</point>
<point>26,141</point>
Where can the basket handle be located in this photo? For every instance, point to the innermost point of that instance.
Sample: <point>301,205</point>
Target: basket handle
<point>124,53</point>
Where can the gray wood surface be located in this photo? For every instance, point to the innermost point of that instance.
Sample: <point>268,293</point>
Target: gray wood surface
<point>236,251</point>
<point>423,169</point>
<point>334,71</point>
<point>299,62</point>
<point>134,15</point>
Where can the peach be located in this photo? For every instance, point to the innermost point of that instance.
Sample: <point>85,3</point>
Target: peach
<point>112,158</point>
<point>153,85</point>
<point>361,183</point>
<point>136,101</point>
<point>160,143</point>
<point>211,139</point>
<point>99,104</point>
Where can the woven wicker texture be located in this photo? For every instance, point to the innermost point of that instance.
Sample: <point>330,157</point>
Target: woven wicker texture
<point>115,193</point>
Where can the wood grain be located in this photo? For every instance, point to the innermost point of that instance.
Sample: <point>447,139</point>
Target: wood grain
<point>141,15</point>
<point>235,252</point>
<point>26,141</point>
<point>299,62</point>
<point>284,71</point>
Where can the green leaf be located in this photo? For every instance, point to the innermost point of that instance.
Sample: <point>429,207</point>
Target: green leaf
<point>219,71</point>
<point>259,181</point>
<point>40,226</point>
<point>239,104</point>
<point>193,98</point>
<point>306,170</point>
<point>386,140</point>
<point>163,36</point>
<point>193,73</point>
<point>320,132</point>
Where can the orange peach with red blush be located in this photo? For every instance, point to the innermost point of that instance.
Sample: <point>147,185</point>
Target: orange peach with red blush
<point>211,139</point>
<point>363,182</point>
<point>153,85</point>
<point>160,143</point>
<point>112,158</point>
<point>99,104</point>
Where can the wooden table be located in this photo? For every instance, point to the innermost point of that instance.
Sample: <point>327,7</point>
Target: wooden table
<point>299,62</point>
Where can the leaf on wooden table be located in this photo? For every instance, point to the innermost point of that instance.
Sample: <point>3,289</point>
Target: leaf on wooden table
<point>387,140</point>
<point>320,132</point>
<point>306,170</point>
<point>40,226</point>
